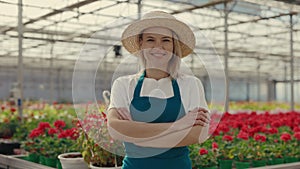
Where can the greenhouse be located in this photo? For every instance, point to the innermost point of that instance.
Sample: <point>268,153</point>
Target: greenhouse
<point>81,82</point>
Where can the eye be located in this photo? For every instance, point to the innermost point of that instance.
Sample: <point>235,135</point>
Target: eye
<point>150,40</point>
<point>166,40</point>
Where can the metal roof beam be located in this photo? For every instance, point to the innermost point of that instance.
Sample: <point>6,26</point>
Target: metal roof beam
<point>211,3</point>
<point>55,12</point>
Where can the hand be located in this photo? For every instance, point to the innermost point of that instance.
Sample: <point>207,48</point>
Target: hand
<point>203,117</point>
<point>124,113</point>
<point>197,116</point>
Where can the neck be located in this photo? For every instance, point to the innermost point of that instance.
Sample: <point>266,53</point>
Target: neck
<point>156,74</point>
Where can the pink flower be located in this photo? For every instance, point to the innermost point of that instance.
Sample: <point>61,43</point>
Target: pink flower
<point>203,151</point>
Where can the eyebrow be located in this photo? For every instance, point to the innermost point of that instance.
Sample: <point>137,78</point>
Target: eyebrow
<point>149,36</point>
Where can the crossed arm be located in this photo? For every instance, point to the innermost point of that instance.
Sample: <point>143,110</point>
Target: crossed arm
<point>191,129</point>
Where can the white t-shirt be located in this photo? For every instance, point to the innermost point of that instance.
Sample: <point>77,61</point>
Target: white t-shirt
<point>191,91</point>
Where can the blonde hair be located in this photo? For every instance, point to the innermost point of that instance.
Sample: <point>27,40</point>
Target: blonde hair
<point>175,61</point>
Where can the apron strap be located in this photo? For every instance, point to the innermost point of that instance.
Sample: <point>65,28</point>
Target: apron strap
<point>139,85</point>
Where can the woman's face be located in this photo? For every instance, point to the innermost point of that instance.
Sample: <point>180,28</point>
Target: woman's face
<point>157,47</point>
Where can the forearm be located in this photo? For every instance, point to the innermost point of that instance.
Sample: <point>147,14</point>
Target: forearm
<point>185,137</point>
<point>133,131</point>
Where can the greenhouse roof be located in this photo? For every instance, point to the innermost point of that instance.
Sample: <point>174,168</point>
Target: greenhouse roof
<point>259,34</point>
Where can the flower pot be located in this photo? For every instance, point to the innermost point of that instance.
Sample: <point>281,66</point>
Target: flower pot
<point>259,163</point>
<point>95,167</point>
<point>290,159</point>
<point>7,147</point>
<point>51,162</point>
<point>275,161</point>
<point>58,165</point>
<point>33,157</point>
<point>42,160</point>
<point>225,164</point>
<point>242,164</point>
<point>212,167</point>
<point>72,160</point>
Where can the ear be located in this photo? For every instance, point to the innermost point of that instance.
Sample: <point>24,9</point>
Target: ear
<point>140,42</point>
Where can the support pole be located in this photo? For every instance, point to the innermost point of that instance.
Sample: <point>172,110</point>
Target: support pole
<point>285,84</point>
<point>226,57</point>
<point>247,91</point>
<point>51,74</point>
<point>292,62</point>
<point>258,81</point>
<point>139,9</point>
<point>20,60</point>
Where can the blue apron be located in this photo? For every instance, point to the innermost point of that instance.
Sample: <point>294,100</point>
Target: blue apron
<point>156,110</point>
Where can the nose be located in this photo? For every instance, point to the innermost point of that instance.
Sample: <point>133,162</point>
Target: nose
<point>158,44</point>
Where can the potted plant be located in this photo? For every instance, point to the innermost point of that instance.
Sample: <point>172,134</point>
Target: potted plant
<point>226,151</point>
<point>260,150</point>
<point>243,150</point>
<point>46,142</point>
<point>204,156</point>
<point>72,160</point>
<point>296,136</point>
<point>98,148</point>
<point>9,121</point>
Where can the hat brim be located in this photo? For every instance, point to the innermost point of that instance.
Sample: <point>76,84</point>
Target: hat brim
<point>130,36</point>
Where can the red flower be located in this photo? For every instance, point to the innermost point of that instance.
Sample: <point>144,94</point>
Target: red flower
<point>71,133</point>
<point>285,137</point>
<point>243,135</point>
<point>59,124</point>
<point>223,128</point>
<point>260,138</point>
<point>43,126</point>
<point>215,145</point>
<point>216,133</point>
<point>35,133</point>
<point>203,151</point>
<point>2,107</point>
<point>272,130</point>
<point>103,114</point>
<point>227,138</point>
<point>297,135</point>
<point>296,129</point>
<point>52,131</point>
<point>13,109</point>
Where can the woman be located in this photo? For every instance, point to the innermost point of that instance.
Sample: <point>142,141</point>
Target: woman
<point>159,111</point>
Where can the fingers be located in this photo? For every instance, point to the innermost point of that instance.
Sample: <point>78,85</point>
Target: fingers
<point>203,117</point>
<point>124,113</point>
<point>202,109</point>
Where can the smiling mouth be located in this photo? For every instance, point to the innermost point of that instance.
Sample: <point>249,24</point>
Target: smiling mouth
<point>158,54</point>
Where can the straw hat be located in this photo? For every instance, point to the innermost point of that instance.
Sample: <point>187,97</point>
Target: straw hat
<point>130,36</point>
